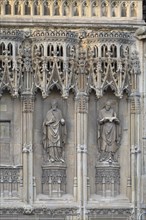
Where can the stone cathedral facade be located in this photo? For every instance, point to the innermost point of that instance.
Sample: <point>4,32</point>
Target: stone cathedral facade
<point>72,109</point>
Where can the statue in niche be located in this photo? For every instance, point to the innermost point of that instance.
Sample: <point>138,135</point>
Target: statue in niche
<point>56,9</point>
<point>109,134</point>
<point>94,9</point>
<point>113,9</point>
<point>54,134</point>
<point>75,9</point>
<point>104,9</point>
<point>65,9</point>
<point>46,8</point>
<point>84,9</point>
<point>133,10</point>
<point>123,10</point>
<point>17,8</point>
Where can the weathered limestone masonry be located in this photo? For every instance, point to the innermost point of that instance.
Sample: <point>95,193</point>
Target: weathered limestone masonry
<point>72,110</point>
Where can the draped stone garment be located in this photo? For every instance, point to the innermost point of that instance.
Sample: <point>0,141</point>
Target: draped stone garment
<point>54,133</point>
<point>108,130</point>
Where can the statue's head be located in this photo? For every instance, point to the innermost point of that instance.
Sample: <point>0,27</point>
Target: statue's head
<point>54,104</point>
<point>108,105</point>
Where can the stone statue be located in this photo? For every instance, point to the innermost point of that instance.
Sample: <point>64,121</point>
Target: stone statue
<point>54,134</point>
<point>123,10</point>
<point>104,9</point>
<point>75,9</point>
<point>109,134</point>
<point>56,9</point>
<point>65,9</point>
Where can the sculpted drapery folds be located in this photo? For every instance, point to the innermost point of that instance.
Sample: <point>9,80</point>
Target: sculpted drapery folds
<point>109,134</point>
<point>54,134</point>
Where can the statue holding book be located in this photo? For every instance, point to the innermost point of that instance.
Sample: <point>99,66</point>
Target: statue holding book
<point>109,134</point>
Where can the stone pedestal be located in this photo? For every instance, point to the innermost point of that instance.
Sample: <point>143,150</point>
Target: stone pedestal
<point>54,179</point>
<point>107,179</point>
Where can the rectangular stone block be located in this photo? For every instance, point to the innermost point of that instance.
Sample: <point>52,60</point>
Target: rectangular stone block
<point>4,152</point>
<point>4,129</point>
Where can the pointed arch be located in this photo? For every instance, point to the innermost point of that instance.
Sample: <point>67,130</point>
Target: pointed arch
<point>10,49</point>
<point>113,49</point>
<point>2,48</point>
<point>104,50</point>
<point>68,50</point>
<point>50,50</point>
<point>41,49</point>
<point>95,51</point>
<point>59,50</point>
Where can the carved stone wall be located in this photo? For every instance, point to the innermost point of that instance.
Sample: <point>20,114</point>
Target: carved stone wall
<point>99,167</point>
<point>84,8</point>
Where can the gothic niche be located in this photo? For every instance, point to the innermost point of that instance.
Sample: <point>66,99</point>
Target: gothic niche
<point>109,138</point>
<point>54,138</point>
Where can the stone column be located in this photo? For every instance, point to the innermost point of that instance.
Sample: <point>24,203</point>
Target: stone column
<point>135,150</point>
<point>81,143</point>
<point>27,141</point>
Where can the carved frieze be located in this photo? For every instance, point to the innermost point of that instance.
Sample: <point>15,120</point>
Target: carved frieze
<point>78,60</point>
<point>110,212</point>
<point>42,210</point>
<point>54,180</point>
<point>108,179</point>
<point>10,180</point>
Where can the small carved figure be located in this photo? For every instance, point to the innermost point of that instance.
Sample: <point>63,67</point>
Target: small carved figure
<point>94,9</point>
<point>17,8</point>
<point>65,9</point>
<point>133,10</point>
<point>54,134</point>
<point>113,9</point>
<point>123,10</point>
<point>109,133</point>
<point>104,9</point>
<point>46,8</point>
<point>84,9</point>
<point>75,9</point>
<point>56,9</point>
